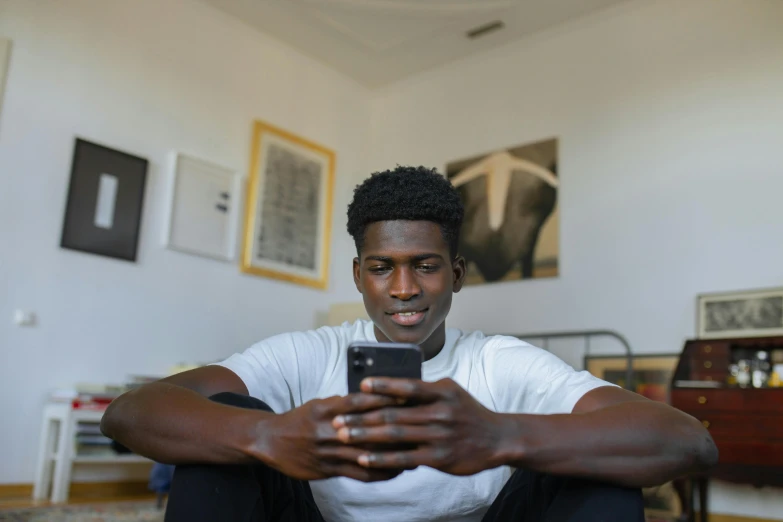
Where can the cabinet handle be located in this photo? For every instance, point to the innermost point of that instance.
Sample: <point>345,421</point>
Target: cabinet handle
<point>702,399</point>
<point>706,423</point>
<point>707,349</point>
<point>707,364</point>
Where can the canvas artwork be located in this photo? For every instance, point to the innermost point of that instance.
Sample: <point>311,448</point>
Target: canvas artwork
<point>753,313</point>
<point>289,208</point>
<point>511,226</point>
<point>105,199</point>
<point>204,208</point>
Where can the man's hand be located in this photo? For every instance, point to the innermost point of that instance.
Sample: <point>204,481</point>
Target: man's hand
<point>303,443</point>
<point>449,429</point>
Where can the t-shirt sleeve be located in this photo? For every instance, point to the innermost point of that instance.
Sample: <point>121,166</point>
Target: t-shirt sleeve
<point>285,370</point>
<point>526,379</point>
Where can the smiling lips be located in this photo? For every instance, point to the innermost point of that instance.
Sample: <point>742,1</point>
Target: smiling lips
<point>408,318</point>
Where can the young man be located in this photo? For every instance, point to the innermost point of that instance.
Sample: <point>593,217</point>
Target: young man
<point>272,434</point>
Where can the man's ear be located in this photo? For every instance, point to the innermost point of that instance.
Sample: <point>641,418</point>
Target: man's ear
<point>357,274</point>
<point>460,269</point>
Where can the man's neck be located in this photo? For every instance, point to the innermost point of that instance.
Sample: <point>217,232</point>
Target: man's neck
<point>430,347</point>
<point>434,344</point>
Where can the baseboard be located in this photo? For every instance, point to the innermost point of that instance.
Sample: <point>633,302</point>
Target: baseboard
<point>81,490</point>
<point>735,518</point>
<point>15,491</point>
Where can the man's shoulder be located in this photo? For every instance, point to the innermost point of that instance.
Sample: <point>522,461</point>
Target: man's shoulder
<point>348,331</point>
<point>486,343</point>
<point>327,335</point>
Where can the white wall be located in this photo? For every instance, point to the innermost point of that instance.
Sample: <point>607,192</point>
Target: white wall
<point>146,76</point>
<point>670,119</point>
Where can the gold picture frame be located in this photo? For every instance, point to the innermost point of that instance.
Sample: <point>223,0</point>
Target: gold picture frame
<point>5,58</point>
<point>288,210</point>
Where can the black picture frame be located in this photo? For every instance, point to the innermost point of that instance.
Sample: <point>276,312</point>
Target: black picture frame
<point>116,232</point>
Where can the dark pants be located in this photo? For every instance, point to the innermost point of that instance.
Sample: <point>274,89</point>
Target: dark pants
<point>243,493</point>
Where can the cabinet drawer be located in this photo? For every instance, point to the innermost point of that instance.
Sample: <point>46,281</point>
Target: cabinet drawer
<point>710,375</point>
<point>709,365</point>
<point>750,428</point>
<point>768,400</point>
<point>750,453</point>
<point>717,350</point>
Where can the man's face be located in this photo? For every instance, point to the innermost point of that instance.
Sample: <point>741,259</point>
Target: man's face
<point>406,277</point>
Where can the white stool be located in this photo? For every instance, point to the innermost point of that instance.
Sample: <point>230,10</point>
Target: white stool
<point>57,446</point>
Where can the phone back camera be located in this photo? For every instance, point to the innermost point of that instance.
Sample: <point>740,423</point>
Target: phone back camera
<point>358,362</point>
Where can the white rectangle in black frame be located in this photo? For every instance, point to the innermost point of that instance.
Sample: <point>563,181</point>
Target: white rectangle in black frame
<point>107,199</point>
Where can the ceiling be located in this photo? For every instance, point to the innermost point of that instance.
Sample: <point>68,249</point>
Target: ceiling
<point>378,42</point>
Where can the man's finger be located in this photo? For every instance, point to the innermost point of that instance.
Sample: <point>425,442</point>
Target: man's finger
<point>341,452</point>
<point>325,432</point>
<point>361,473</point>
<point>358,402</point>
<point>408,389</point>
<point>411,415</point>
<point>400,459</point>
<point>391,433</point>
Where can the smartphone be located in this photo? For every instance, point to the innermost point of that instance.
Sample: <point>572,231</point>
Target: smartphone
<point>367,359</point>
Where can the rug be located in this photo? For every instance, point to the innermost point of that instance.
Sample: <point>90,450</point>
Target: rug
<point>145,511</point>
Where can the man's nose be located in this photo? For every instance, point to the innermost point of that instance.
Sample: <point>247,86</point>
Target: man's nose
<point>404,285</point>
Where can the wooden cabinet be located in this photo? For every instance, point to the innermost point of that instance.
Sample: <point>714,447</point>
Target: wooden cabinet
<point>746,422</point>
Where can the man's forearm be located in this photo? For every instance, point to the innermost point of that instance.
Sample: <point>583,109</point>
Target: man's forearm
<point>174,425</point>
<point>634,444</point>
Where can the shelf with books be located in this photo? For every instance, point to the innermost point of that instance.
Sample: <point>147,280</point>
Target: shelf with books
<point>70,435</point>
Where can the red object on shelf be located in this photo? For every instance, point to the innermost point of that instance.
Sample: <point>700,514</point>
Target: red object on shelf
<point>99,404</point>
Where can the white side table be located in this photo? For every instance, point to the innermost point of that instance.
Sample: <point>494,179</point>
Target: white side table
<point>57,450</point>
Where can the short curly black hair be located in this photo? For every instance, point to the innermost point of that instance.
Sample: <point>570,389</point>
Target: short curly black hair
<point>414,193</point>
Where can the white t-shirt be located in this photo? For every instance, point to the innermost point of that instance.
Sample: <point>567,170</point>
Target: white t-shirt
<point>503,373</point>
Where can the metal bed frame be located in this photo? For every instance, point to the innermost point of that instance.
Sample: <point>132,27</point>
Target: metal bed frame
<point>586,335</point>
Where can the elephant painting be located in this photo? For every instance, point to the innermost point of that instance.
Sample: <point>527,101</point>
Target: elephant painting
<point>510,230</point>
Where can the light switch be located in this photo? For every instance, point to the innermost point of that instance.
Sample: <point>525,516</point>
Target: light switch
<point>24,318</point>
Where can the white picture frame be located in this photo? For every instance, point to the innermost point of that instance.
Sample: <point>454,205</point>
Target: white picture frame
<point>204,208</point>
<point>5,58</point>
<point>737,314</point>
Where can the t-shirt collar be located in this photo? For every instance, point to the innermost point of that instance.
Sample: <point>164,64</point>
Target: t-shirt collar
<point>437,362</point>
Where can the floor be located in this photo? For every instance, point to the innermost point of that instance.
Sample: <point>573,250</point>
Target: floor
<point>10,502</point>
<point>26,502</point>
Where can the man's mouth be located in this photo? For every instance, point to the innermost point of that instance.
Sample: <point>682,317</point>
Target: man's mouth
<point>408,318</point>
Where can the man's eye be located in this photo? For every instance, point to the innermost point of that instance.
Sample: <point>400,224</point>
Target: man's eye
<point>428,268</point>
<point>378,269</point>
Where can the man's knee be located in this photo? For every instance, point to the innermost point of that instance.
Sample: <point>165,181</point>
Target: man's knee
<point>240,401</point>
<point>589,500</point>
<point>630,499</point>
